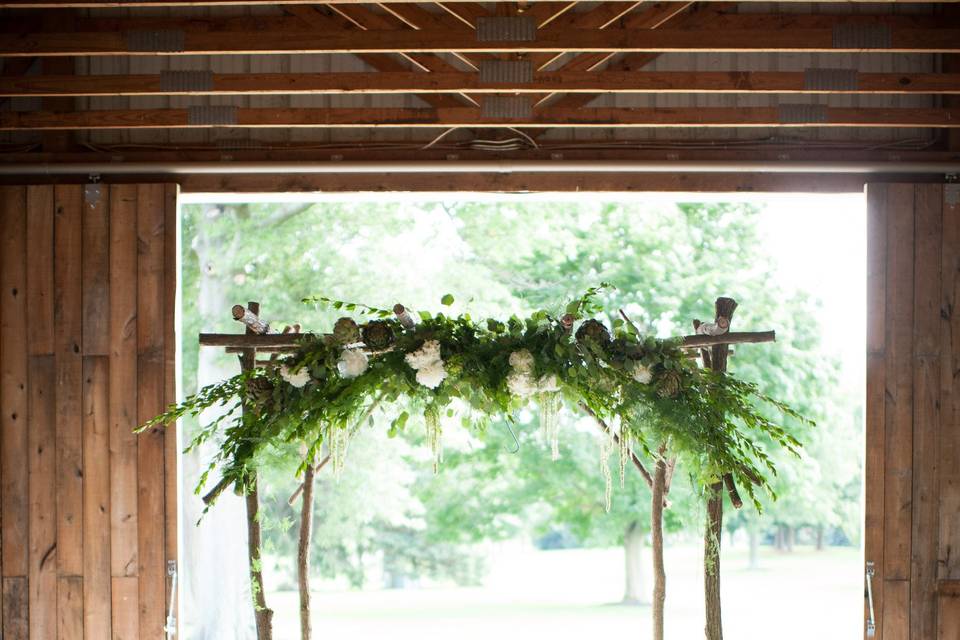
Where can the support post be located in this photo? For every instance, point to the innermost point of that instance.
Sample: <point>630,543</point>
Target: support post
<point>656,528</point>
<point>303,550</point>
<point>262,614</point>
<point>713,630</point>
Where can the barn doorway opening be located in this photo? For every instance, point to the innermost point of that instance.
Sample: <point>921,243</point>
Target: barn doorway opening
<point>487,547</point>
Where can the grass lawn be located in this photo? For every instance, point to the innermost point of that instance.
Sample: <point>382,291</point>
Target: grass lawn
<point>574,594</point>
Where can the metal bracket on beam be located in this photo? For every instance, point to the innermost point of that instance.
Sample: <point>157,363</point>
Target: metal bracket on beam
<point>801,113</point>
<point>506,29</point>
<point>506,71</point>
<point>214,115</point>
<point>186,81</point>
<point>830,79</point>
<point>861,36</point>
<point>172,40</point>
<point>506,107</point>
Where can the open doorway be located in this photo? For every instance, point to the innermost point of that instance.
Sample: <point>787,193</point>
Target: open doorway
<point>504,539</point>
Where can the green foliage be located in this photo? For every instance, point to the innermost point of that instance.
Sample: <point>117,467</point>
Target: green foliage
<point>710,419</point>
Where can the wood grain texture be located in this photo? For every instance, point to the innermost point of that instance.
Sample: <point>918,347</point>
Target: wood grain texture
<point>875,467</point>
<point>123,375</point>
<point>70,608</point>
<point>43,499</point>
<point>927,341</point>
<point>13,387</point>
<point>125,608</point>
<point>171,349</point>
<point>898,413</point>
<point>150,382</point>
<point>40,274</point>
<point>96,271</point>
<point>96,498</point>
<point>16,618</point>
<point>948,553</point>
<point>67,308</point>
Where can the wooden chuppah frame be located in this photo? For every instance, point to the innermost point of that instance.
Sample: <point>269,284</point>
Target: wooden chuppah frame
<point>712,347</point>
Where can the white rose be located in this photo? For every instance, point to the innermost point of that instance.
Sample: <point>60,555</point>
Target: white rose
<point>431,376</point>
<point>424,356</point>
<point>297,378</point>
<point>642,373</point>
<point>352,363</point>
<point>522,360</point>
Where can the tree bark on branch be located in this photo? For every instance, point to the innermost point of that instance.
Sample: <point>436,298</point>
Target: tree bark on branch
<point>656,527</point>
<point>303,551</point>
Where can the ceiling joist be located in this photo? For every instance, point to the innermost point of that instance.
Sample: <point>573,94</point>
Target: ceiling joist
<point>812,81</point>
<point>612,40</point>
<point>800,115</point>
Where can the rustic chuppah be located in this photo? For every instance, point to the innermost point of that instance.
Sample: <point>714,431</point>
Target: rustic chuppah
<point>648,396</point>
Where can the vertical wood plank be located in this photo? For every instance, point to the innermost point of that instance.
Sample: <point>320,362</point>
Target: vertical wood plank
<point>125,609</point>
<point>898,413</point>
<point>150,382</point>
<point>948,556</point>
<point>928,240</point>
<point>16,608</point>
<point>40,274</point>
<point>68,335</point>
<point>96,498</point>
<point>96,270</point>
<point>896,618</point>
<point>43,499</point>
<point>70,608</point>
<point>171,350</point>
<point>123,380</point>
<point>875,390</point>
<point>13,388</point>
<point>949,619</point>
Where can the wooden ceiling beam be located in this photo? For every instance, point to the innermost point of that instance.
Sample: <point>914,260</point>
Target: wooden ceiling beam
<point>403,82</point>
<point>379,61</point>
<point>612,40</point>
<point>721,117</point>
<point>719,18</point>
<point>102,4</point>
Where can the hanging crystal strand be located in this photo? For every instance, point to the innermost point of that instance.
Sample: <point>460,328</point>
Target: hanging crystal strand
<point>624,453</point>
<point>550,422</point>
<point>606,448</point>
<point>432,419</point>
<point>338,449</point>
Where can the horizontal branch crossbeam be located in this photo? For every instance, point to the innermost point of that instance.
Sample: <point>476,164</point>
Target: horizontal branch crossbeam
<point>290,341</point>
<point>723,117</point>
<point>610,40</point>
<point>726,82</point>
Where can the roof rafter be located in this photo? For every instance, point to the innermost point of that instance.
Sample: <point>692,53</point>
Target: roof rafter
<point>736,82</point>
<point>613,40</point>
<point>724,117</point>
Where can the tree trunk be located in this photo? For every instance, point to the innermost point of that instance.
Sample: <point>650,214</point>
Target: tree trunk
<point>711,562</point>
<point>262,615</point>
<point>656,524</point>
<point>820,536</point>
<point>303,552</point>
<point>724,308</point>
<point>788,537</point>
<point>754,534</point>
<point>635,591</point>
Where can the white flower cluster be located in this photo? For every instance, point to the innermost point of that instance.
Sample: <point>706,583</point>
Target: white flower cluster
<point>642,373</point>
<point>427,363</point>
<point>352,363</point>
<point>521,382</point>
<point>297,378</point>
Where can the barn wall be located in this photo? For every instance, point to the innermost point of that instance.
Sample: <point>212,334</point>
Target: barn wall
<point>88,282</point>
<point>913,419</point>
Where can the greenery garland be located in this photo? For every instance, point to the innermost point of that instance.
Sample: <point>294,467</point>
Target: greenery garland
<point>647,387</point>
